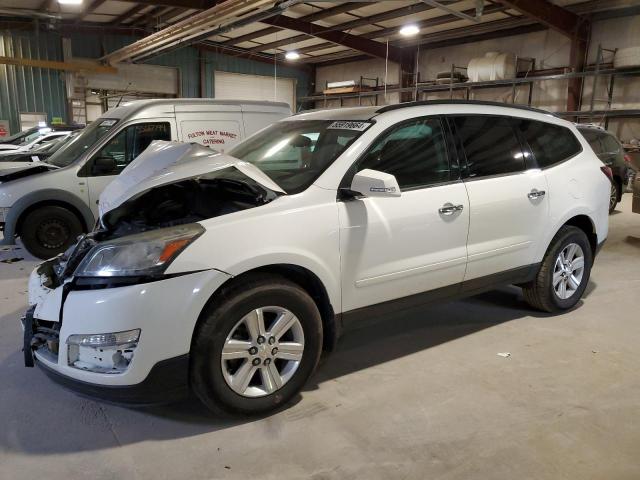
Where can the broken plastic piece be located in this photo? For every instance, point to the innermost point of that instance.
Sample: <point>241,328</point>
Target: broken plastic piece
<point>504,354</point>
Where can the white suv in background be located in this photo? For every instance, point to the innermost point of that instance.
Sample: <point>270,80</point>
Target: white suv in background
<point>230,273</point>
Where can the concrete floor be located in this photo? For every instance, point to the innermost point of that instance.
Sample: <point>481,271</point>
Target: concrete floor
<point>420,395</point>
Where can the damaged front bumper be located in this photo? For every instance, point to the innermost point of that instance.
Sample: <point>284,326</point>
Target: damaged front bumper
<point>81,335</point>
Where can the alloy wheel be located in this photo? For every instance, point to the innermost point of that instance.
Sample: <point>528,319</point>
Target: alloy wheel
<point>568,271</point>
<point>613,198</point>
<point>263,351</point>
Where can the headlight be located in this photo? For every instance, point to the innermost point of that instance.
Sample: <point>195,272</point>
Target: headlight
<point>146,253</point>
<point>4,213</point>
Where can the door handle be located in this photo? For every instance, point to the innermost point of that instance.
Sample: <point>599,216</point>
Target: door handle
<point>449,209</point>
<point>533,194</point>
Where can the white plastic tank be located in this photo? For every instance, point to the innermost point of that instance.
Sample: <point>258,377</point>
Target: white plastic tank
<point>493,66</point>
<point>627,57</point>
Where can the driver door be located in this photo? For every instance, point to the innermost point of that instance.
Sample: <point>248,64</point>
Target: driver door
<point>117,153</point>
<point>395,247</point>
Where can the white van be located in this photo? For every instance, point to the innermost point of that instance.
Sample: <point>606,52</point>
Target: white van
<point>50,203</point>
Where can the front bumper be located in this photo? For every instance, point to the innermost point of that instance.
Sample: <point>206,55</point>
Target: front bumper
<point>166,312</point>
<point>167,381</point>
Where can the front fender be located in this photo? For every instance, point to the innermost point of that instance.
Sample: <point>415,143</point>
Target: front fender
<point>40,196</point>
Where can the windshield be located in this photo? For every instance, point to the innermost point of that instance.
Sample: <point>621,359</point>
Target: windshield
<point>295,153</point>
<point>74,149</point>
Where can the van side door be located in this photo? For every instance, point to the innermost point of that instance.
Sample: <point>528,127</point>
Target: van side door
<point>219,129</point>
<point>118,152</point>
<point>507,195</point>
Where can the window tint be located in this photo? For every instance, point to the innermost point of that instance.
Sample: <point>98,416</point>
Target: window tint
<point>414,152</point>
<point>550,144</point>
<point>132,141</point>
<point>490,145</point>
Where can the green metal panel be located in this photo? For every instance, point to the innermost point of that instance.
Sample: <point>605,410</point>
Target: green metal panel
<point>29,89</point>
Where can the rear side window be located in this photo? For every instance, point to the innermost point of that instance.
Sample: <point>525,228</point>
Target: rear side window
<point>414,152</point>
<point>490,144</point>
<point>550,144</point>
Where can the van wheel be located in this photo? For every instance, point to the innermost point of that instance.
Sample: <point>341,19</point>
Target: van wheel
<point>48,231</point>
<point>613,196</point>
<point>564,273</point>
<point>256,346</point>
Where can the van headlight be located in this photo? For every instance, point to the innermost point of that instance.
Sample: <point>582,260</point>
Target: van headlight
<point>148,253</point>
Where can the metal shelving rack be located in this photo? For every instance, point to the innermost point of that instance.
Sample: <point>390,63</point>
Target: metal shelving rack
<point>597,72</point>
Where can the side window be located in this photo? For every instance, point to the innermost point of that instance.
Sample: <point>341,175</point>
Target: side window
<point>594,140</point>
<point>550,144</point>
<point>414,152</point>
<point>490,145</point>
<point>127,145</point>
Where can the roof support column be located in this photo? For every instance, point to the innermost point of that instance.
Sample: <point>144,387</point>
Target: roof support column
<point>577,62</point>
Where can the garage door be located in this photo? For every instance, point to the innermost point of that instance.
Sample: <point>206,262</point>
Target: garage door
<point>239,86</point>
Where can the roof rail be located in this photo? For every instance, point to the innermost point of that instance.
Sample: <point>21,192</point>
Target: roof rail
<point>389,108</point>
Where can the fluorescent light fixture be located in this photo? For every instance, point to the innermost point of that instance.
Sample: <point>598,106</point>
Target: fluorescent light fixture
<point>70,2</point>
<point>409,30</point>
<point>292,55</point>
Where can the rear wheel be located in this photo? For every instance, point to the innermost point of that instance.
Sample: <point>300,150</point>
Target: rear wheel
<point>256,348</point>
<point>613,197</point>
<point>48,231</point>
<point>564,273</point>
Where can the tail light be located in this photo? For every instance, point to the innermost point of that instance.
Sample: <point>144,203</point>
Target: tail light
<point>627,159</point>
<point>607,171</point>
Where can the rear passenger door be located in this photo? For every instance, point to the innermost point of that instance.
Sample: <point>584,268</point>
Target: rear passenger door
<point>508,198</point>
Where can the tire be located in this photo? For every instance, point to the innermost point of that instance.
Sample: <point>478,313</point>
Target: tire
<point>210,376</point>
<point>48,231</point>
<point>613,198</point>
<point>541,293</point>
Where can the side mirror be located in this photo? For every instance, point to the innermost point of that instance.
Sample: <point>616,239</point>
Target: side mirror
<point>104,166</point>
<point>373,183</point>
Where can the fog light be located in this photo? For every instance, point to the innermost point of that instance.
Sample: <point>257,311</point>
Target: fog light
<point>105,339</point>
<point>102,352</point>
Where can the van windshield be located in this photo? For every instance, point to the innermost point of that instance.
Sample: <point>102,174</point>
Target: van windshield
<point>74,149</point>
<point>294,153</point>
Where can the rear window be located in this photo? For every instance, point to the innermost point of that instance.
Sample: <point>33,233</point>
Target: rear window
<point>550,144</point>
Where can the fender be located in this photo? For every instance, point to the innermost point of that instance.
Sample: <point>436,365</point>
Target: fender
<point>45,195</point>
<point>559,222</point>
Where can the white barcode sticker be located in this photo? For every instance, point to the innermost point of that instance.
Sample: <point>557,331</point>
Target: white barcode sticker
<point>349,125</point>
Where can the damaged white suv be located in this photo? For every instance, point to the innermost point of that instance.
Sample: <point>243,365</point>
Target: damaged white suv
<point>229,274</point>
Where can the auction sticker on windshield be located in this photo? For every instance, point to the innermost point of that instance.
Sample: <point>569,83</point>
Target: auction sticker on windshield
<point>349,125</point>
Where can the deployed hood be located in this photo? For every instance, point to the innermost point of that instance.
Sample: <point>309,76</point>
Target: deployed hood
<point>163,163</point>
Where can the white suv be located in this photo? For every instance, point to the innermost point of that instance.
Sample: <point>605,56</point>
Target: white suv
<point>229,274</point>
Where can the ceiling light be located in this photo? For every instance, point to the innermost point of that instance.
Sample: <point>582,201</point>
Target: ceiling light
<point>70,2</point>
<point>292,55</point>
<point>409,30</point>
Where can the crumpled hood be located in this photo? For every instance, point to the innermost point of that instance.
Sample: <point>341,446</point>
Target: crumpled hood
<point>163,163</point>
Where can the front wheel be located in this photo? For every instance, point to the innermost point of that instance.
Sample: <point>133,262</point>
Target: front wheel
<point>564,272</point>
<point>255,348</point>
<point>48,231</point>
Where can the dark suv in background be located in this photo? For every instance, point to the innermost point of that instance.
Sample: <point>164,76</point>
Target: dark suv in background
<point>611,152</point>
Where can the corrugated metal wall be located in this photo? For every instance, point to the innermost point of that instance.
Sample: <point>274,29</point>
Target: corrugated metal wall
<point>27,89</point>
<point>42,90</point>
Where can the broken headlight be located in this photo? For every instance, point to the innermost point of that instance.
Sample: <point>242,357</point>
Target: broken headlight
<point>148,253</point>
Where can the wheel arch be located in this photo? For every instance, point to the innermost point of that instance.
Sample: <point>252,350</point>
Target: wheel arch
<point>586,224</point>
<point>42,198</point>
<point>302,276</point>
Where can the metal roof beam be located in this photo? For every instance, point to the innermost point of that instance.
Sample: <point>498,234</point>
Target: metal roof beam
<point>354,42</point>
<point>547,13</point>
